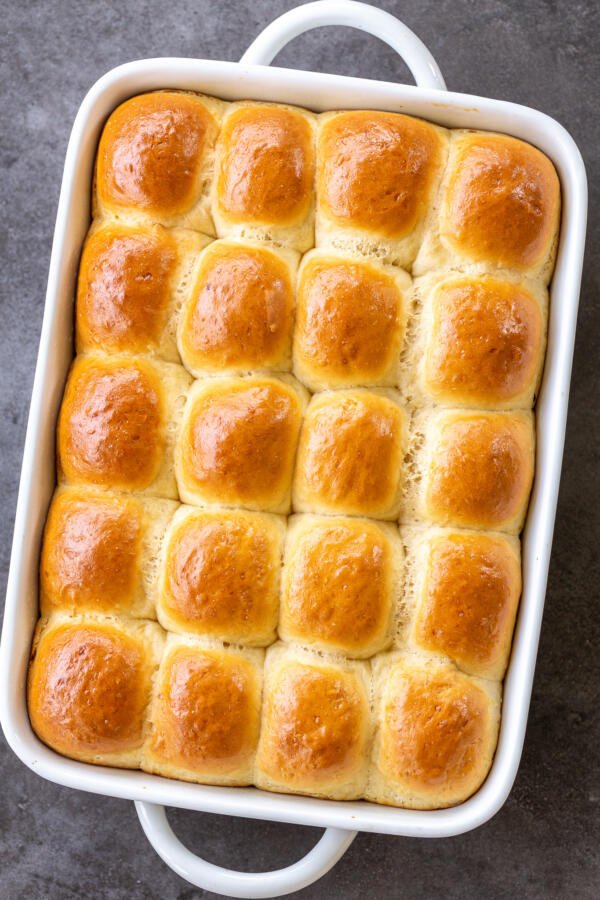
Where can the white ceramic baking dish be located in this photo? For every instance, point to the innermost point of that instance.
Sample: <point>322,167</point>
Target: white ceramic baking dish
<point>252,78</point>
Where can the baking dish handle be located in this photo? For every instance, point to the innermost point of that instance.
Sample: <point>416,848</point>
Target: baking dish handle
<point>367,18</point>
<point>210,877</point>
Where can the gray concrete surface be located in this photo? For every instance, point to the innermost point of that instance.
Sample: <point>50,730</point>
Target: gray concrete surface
<point>545,843</point>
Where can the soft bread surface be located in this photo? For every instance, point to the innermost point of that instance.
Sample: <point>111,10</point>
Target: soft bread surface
<point>315,725</point>
<point>205,714</point>
<point>220,575</point>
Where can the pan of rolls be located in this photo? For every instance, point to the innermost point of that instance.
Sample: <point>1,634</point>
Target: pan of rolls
<point>295,447</point>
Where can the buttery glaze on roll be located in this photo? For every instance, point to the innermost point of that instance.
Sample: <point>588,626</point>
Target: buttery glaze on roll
<point>238,442</point>
<point>239,314</point>
<point>116,423</point>
<point>436,733</point>
<point>99,552</point>
<point>127,291</point>
<point>377,174</point>
<point>341,584</point>
<point>264,174</point>
<point>464,597</point>
<point>205,713</point>
<point>89,686</point>
<point>220,575</point>
<point>350,321</point>
<point>499,209</point>
<point>315,725</point>
<point>350,454</point>
<point>480,341</point>
<point>155,160</point>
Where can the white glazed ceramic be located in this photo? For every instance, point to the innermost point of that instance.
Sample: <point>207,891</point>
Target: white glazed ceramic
<point>252,78</point>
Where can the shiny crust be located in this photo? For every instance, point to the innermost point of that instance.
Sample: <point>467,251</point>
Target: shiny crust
<point>437,734</point>
<point>205,715</point>
<point>220,575</point>
<point>89,687</point>
<point>239,314</point>
<point>350,322</point>
<point>350,454</point>
<point>341,582</point>
<point>153,157</point>
<point>238,442</point>
<point>315,726</point>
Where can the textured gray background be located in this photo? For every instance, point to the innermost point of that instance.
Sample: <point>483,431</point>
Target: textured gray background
<point>545,843</point>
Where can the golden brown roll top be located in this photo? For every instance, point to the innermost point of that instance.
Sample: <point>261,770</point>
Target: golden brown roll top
<point>499,208</point>
<point>350,454</point>
<point>238,442</point>
<point>472,469</point>
<point>466,589</point>
<point>315,725</point>
<point>436,733</point>
<point>480,342</point>
<point>350,321</point>
<point>377,173</point>
<point>265,164</point>
<point>239,314</point>
<point>127,291</point>
<point>220,575</point>
<point>341,584</point>
<point>205,713</point>
<point>155,160</point>
<point>99,552</point>
<point>89,686</point>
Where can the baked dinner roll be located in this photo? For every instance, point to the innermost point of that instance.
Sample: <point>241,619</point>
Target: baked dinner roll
<point>499,208</point>
<point>436,732</point>
<point>238,442</point>
<point>89,686</point>
<point>350,321</point>
<point>377,174</point>
<point>220,575</point>
<point>264,174</point>
<point>155,160</point>
<point>478,342</point>
<point>205,714</point>
<point>315,725</point>
<point>239,313</point>
<point>474,469</point>
<point>341,584</point>
<point>130,287</point>
<point>100,552</point>
<point>118,421</point>
<point>350,454</point>
<point>464,592</point>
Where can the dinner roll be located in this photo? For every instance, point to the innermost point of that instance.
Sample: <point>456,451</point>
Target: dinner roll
<point>238,442</point>
<point>117,423</point>
<point>350,454</point>
<point>315,725</point>
<point>341,584</point>
<point>350,321</point>
<point>220,575</point>
<point>155,160</point>
<point>129,287</point>
<point>464,592</point>
<point>478,342</point>
<point>377,174</point>
<point>89,686</point>
<point>239,313</point>
<point>499,208</point>
<point>205,714</point>
<point>99,552</point>
<point>264,174</point>
<point>436,732</point>
<point>473,470</point>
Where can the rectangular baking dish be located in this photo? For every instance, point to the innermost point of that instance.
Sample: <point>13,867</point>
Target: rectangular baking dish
<point>246,80</point>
